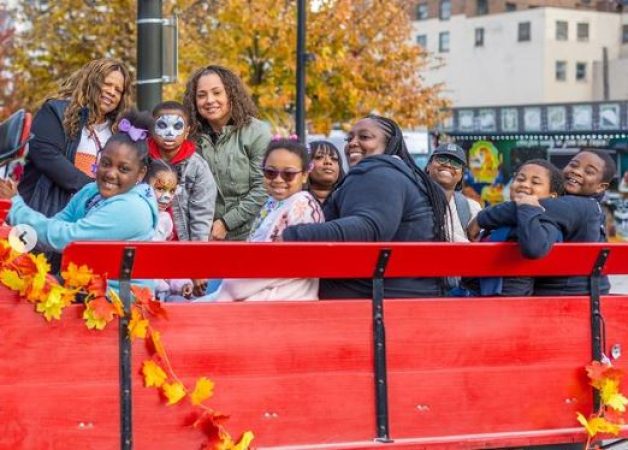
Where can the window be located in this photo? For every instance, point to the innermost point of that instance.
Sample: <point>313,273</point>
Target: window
<point>445,9</point>
<point>524,31</point>
<point>624,34</point>
<point>582,31</point>
<point>562,30</point>
<point>561,70</point>
<point>421,12</point>
<point>510,7</point>
<point>581,71</point>
<point>481,7</point>
<point>443,42</point>
<point>421,39</point>
<point>479,37</point>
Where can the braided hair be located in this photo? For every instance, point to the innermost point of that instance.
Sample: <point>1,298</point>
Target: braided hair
<point>396,146</point>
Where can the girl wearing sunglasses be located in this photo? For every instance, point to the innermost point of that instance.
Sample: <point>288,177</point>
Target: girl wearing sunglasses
<point>285,167</point>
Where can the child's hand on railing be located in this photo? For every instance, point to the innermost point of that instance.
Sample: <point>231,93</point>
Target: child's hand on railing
<point>187,290</point>
<point>199,287</point>
<point>473,230</point>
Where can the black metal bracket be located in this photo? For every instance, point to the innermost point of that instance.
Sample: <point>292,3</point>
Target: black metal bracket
<point>126,407</point>
<point>598,332</point>
<point>379,349</point>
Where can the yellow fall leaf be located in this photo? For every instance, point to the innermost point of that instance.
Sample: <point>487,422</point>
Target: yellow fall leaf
<point>12,280</point>
<point>34,296</point>
<point>116,302</point>
<point>610,395</point>
<point>598,425</point>
<point>225,441</point>
<point>92,322</point>
<point>204,389</point>
<point>43,268</point>
<point>174,392</point>
<point>617,401</point>
<point>53,304</point>
<point>138,326</point>
<point>159,347</point>
<point>154,375</point>
<point>68,296</point>
<point>77,277</point>
<point>245,441</point>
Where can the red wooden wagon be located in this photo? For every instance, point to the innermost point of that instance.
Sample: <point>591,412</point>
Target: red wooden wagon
<point>442,373</point>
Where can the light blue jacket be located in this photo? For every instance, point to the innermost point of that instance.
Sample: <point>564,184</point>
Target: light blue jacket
<point>131,216</point>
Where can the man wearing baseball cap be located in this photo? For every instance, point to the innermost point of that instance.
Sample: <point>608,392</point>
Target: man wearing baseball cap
<point>446,167</point>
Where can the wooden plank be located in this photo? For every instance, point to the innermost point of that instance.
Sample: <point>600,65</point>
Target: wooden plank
<point>293,373</point>
<point>58,381</point>
<point>341,260</point>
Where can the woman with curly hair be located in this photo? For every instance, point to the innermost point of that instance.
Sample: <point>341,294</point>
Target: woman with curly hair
<point>70,130</point>
<point>232,141</point>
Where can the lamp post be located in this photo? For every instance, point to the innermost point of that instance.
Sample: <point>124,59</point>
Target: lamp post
<point>301,62</point>
<point>149,54</point>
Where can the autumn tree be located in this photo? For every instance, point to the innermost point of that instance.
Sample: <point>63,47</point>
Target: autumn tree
<point>363,57</point>
<point>60,36</point>
<point>8,99</point>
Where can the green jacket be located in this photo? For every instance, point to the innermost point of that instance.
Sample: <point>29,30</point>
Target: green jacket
<point>236,163</point>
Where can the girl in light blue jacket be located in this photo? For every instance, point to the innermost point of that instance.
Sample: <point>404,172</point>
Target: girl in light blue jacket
<point>117,207</point>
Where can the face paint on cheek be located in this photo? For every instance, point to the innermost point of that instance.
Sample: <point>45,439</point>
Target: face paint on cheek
<point>165,199</point>
<point>169,126</point>
<point>164,191</point>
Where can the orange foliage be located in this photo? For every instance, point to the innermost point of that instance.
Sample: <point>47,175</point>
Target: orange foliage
<point>363,58</point>
<point>607,420</point>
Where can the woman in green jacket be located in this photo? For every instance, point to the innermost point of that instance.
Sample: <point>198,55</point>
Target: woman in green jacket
<point>232,141</point>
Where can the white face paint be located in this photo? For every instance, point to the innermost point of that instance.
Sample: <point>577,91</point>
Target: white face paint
<point>164,200</point>
<point>169,126</point>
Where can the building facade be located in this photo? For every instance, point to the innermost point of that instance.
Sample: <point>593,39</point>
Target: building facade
<point>503,53</point>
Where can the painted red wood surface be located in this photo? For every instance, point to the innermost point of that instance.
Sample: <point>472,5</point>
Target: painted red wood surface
<point>463,373</point>
<point>337,260</point>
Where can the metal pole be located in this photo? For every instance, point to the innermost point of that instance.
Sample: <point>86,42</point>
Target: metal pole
<point>149,53</point>
<point>126,396</point>
<point>301,62</point>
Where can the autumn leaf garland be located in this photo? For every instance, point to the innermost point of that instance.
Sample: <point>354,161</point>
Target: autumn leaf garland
<point>608,419</point>
<point>29,276</point>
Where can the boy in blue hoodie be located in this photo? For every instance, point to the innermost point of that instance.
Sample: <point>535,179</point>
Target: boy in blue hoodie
<point>97,210</point>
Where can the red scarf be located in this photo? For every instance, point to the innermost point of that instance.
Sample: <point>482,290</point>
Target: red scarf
<point>186,150</point>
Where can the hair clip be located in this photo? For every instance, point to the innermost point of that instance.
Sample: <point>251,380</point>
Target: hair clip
<point>135,134</point>
<point>279,137</point>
